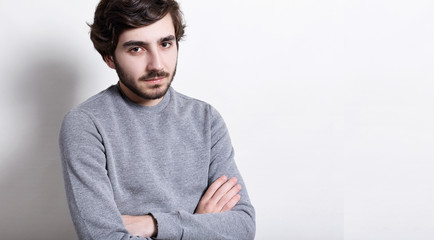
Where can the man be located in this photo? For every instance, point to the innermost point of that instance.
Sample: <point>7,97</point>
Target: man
<point>141,160</point>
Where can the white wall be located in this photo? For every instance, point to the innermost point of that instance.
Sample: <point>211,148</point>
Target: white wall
<point>329,103</point>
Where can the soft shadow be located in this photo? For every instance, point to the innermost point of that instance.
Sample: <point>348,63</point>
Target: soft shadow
<point>33,203</point>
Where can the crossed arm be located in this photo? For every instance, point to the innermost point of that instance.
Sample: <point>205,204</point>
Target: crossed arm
<point>221,196</point>
<point>92,194</point>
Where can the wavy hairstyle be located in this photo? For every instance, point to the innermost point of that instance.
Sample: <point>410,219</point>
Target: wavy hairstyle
<point>113,17</point>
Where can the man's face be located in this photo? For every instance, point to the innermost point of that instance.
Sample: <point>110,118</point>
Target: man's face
<point>145,60</point>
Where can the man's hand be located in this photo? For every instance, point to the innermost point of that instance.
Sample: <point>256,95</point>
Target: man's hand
<point>221,196</point>
<point>144,226</point>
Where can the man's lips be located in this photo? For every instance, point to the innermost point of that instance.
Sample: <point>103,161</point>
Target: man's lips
<point>154,80</point>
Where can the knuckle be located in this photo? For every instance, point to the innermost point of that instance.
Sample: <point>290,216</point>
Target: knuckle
<point>208,206</point>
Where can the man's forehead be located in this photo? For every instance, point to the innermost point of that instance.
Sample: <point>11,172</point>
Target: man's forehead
<point>163,28</point>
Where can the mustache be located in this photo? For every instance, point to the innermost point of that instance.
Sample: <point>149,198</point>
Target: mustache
<point>154,74</point>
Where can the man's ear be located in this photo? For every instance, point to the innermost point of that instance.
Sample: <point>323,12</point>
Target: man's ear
<point>109,61</point>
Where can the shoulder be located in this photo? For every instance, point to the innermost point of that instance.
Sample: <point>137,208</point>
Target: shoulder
<point>97,104</point>
<point>196,108</point>
<point>187,102</point>
<point>100,101</point>
<point>93,108</point>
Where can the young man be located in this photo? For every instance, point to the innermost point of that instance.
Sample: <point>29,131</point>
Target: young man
<point>141,160</point>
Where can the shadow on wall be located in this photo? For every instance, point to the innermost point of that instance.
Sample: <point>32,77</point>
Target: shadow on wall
<point>33,203</point>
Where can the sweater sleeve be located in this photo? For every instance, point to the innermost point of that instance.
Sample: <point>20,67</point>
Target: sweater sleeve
<point>239,223</point>
<point>88,189</point>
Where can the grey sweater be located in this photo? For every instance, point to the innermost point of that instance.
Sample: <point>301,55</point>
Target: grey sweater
<point>120,158</point>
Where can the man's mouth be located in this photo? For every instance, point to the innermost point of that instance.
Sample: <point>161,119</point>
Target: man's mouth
<point>154,80</point>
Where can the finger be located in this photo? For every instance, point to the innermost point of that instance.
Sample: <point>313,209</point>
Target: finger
<point>229,205</point>
<point>223,190</point>
<point>213,188</point>
<point>228,196</point>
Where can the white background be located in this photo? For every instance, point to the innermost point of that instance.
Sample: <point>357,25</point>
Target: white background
<point>329,104</point>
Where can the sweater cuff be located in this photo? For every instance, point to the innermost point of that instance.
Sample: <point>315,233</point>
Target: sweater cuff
<point>168,225</point>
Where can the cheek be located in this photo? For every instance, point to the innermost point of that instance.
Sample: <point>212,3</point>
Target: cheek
<point>172,59</point>
<point>133,67</point>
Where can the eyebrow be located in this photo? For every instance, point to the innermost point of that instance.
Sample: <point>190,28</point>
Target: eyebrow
<point>141,43</point>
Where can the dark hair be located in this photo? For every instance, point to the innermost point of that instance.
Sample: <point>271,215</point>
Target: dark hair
<point>113,17</point>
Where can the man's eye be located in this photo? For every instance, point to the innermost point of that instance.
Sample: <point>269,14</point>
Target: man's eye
<point>136,49</point>
<point>166,44</point>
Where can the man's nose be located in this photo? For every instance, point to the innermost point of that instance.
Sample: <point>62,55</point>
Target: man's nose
<point>155,61</point>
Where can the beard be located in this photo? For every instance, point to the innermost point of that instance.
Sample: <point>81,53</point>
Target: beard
<point>153,92</point>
